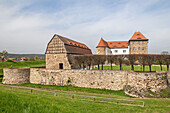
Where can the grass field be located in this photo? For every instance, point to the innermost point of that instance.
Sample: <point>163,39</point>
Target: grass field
<point>22,101</point>
<point>136,68</point>
<point>8,64</point>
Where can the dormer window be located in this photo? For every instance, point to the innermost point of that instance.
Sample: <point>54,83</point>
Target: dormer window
<point>139,38</point>
<point>71,43</point>
<point>138,34</point>
<point>75,44</point>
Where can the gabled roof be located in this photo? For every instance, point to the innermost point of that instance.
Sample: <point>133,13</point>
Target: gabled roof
<point>73,47</point>
<point>72,42</point>
<point>102,43</point>
<point>138,36</point>
<point>118,44</point>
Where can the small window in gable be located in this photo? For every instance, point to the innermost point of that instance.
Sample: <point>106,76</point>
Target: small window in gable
<point>139,38</point>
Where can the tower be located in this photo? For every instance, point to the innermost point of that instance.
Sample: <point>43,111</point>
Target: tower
<point>138,44</point>
<point>102,47</point>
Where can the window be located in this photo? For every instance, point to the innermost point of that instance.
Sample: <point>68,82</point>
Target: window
<point>124,51</point>
<point>138,42</point>
<point>54,56</point>
<point>143,42</point>
<point>55,40</point>
<point>116,51</point>
<point>133,48</point>
<point>54,49</point>
<point>139,48</point>
<point>133,42</point>
<point>60,65</point>
<point>143,48</point>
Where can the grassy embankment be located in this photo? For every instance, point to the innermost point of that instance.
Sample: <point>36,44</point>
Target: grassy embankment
<point>21,100</point>
<point>8,64</point>
<point>136,68</point>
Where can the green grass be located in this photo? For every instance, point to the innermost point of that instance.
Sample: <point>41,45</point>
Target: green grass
<point>8,64</point>
<point>75,89</point>
<point>22,101</point>
<point>136,68</point>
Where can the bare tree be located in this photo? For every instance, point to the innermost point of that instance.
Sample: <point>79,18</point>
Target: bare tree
<point>149,60</point>
<point>120,59</point>
<point>132,59</point>
<point>167,61</point>
<point>111,59</point>
<point>160,60</point>
<point>142,60</point>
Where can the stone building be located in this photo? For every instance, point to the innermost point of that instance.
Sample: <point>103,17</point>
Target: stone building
<point>138,44</point>
<point>59,51</point>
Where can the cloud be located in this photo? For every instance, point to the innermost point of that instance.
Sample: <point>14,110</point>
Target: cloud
<point>28,26</point>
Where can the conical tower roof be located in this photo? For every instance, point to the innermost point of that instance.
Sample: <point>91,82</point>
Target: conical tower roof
<point>102,43</point>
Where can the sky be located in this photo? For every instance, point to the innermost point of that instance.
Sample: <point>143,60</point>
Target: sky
<point>26,26</point>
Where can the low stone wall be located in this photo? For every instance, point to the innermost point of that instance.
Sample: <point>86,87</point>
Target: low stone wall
<point>103,79</point>
<point>134,84</point>
<point>16,75</point>
<point>113,80</point>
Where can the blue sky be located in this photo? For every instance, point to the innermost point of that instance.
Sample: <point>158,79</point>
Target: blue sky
<point>28,25</point>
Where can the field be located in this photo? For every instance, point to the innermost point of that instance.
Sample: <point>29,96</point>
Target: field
<point>136,68</point>
<point>22,100</point>
<point>8,64</point>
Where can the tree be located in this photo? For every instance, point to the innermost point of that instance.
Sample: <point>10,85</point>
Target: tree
<point>36,58</point>
<point>149,60</point>
<point>3,54</point>
<point>160,59</point>
<point>142,60</point>
<point>111,59</point>
<point>120,59</point>
<point>167,61</point>
<point>132,59</point>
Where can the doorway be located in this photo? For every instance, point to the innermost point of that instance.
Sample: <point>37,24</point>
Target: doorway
<point>60,65</point>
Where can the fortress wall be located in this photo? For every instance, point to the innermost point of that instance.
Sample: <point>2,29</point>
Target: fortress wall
<point>133,83</point>
<point>103,79</point>
<point>16,75</point>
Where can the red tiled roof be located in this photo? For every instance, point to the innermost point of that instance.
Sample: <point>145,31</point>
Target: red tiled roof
<point>118,44</point>
<point>102,43</point>
<point>72,42</point>
<point>74,47</point>
<point>138,36</point>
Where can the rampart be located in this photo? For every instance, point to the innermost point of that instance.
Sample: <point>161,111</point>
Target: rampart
<point>134,83</point>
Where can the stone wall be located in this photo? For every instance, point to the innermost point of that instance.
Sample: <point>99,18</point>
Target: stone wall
<point>137,45</point>
<point>53,61</point>
<point>16,75</point>
<point>103,79</point>
<point>101,50</point>
<point>134,84</point>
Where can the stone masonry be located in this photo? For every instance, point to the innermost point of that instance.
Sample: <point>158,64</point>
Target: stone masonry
<point>16,75</point>
<point>134,84</point>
